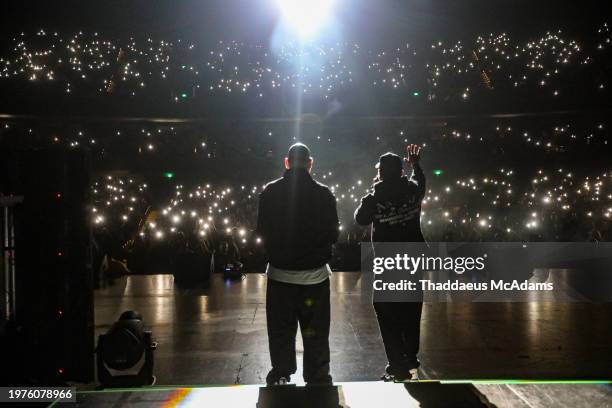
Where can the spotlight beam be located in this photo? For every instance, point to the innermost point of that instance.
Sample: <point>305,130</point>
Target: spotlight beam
<point>305,17</point>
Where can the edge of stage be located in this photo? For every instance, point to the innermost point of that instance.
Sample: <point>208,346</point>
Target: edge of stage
<point>356,395</point>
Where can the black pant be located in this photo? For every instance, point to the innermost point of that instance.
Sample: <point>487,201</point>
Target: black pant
<point>400,327</point>
<point>286,305</point>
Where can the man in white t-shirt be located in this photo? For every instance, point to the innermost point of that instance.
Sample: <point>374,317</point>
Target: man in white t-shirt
<point>298,223</point>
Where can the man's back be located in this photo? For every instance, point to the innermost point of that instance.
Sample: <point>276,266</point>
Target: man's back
<point>394,209</point>
<point>297,221</point>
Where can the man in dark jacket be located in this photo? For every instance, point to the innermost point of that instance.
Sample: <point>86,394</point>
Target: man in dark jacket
<point>298,223</point>
<point>394,210</point>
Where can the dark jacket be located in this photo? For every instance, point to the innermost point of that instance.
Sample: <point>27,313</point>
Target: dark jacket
<point>394,209</point>
<point>297,221</point>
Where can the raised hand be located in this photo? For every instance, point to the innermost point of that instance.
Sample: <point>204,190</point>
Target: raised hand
<point>414,153</point>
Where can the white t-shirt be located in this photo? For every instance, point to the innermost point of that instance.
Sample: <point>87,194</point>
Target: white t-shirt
<point>303,277</point>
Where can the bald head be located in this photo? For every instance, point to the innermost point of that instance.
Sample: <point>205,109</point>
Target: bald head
<point>298,157</point>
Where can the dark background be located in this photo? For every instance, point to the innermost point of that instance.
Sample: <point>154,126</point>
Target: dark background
<point>371,22</point>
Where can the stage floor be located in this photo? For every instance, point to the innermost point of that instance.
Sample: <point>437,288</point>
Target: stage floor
<point>218,336</point>
<point>356,395</point>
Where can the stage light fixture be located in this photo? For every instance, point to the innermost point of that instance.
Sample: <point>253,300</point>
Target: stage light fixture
<point>305,17</point>
<point>125,353</point>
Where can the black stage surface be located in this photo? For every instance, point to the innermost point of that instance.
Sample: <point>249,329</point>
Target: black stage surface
<point>218,335</point>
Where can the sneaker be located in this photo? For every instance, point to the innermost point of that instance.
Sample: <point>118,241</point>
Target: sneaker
<point>276,378</point>
<point>413,375</point>
<point>386,377</point>
<point>281,381</point>
<point>278,381</point>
